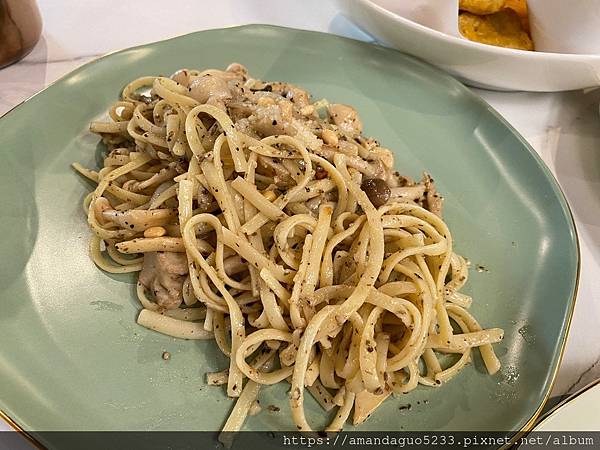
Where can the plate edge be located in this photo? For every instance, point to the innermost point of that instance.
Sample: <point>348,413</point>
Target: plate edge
<point>529,424</point>
<point>566,401</point>
<point>18,429</point>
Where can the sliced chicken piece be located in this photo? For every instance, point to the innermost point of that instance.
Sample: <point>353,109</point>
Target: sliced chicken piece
<point>238,69</point>
<point>271,120</point>
<point>182,77</point>
<point>239,110</point>
<point>297,95</point>
<point>384,155</point>
<point>210,89</point>
<point>163,273</point>
<point>244,126</point>
<point>378,168</point>
<point>346,118</point>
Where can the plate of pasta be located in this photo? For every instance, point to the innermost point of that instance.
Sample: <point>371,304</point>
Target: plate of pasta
<point>291,230</point>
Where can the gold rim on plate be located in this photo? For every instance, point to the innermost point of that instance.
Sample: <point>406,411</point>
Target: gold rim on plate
<point>555,409</point>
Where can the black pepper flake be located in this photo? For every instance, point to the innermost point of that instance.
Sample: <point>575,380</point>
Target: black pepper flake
<point>274,122</point>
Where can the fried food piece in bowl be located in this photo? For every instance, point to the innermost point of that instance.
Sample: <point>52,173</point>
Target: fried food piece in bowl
<point>480,7</point>
<point>502,29</point>
<point>520,7</point>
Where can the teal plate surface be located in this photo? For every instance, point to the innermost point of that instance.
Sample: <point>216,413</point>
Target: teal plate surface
<point>71,354</point>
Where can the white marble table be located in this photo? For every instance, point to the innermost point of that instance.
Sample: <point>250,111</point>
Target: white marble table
<point>564,128</point>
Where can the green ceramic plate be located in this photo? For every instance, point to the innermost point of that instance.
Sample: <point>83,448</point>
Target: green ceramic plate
<point>71,355</point>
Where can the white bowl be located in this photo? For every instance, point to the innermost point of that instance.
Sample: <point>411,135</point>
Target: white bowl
<point>477,64</point>
<point>565,27</point>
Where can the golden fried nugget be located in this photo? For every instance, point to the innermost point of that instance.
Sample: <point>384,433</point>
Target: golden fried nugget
<point>520,7</point>
<point>481,6</point>
<point>502,29</point>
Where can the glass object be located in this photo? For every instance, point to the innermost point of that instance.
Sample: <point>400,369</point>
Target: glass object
<point>20,29</point>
